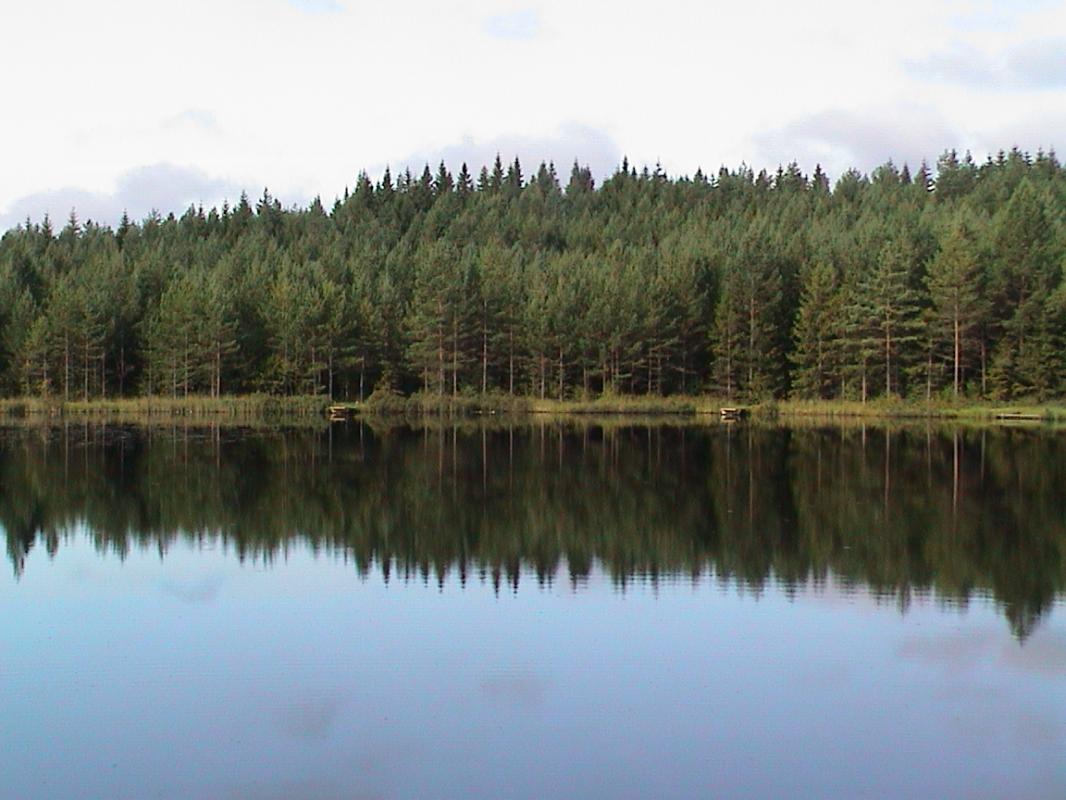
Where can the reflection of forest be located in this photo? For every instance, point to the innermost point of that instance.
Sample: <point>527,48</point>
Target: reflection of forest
<point>901,511</point>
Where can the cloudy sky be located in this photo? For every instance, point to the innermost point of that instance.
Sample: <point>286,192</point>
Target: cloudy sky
<point>141,104</point>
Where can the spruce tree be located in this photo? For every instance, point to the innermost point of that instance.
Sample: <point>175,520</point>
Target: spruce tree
<point>817,324</point>
<point>954,290</point>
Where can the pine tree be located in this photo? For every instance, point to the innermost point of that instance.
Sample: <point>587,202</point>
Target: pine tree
<point>893,308</point>
<point>1023,274</point>
<point>815,332</point>
<point>748,321</point>
<point>646,284</point>
<point>432,318</point>
<point>954,289</point>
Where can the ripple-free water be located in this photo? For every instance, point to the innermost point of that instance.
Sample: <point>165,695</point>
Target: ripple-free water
<point>541,610</point>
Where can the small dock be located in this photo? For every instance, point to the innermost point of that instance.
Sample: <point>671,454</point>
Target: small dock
<point>732,413</point>
<point>1018,416</point>
<point>339,413</point>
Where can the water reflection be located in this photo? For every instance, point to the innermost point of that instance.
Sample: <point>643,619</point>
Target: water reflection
<point>902,512</point>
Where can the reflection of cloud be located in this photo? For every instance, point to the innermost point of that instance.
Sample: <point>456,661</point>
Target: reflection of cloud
<point>521,26</point>
<point>987,706</point>
<point>160,187</point>
<point>203,590</point>
<point>840,139</point>
<point>955,652</point>
<point>1044,652</point>
<point>1038,729</point>
<point>1037,64</point>
<point>312,788</point>
<point>519,687</point>
<point>309,717</point>
<point>591,147</point>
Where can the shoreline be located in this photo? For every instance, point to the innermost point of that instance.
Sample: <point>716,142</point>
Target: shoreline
<point>261,406</point>
<point>252,406</point>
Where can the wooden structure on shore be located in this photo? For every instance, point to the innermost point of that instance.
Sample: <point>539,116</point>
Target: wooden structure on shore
<point>339,413</point>
<point>733,413</point>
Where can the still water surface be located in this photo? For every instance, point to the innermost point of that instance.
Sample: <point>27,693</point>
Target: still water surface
<point>545,610</point>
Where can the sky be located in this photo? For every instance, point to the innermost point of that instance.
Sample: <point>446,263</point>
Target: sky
<point>154,104</point>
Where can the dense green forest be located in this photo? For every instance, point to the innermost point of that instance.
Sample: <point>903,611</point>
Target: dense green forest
<point>901,512</point>
<point>940,283</point>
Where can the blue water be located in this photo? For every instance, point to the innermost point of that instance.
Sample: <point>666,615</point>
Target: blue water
<point>178,669</point>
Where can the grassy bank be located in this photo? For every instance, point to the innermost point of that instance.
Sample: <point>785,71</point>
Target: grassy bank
<point>699,405</point>
<point>261,406</point>
<point>423,404</point>
<point>904,409</point>
<point>420,404</point>
<point>256,406</point>
<point>623,404</point>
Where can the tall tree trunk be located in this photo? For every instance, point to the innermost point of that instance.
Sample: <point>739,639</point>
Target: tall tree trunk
<point>684,367</point>
<point>440,362</point>
<point>888,362</point>
<point>185,378</point>
<point>729,370</point>
<point>455,357</point>
<point>510,363</point>
<point>929,376</point>
<point>958,351</point>
<point>984,372</point>
<point>819,370</point>
<point>485,353</point>
<point>330,363</point>
<point>66,367</point>
<point>751,341</point>
<point>561,373</point>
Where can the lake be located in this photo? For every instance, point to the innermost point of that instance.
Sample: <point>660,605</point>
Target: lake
<point>599,608</point>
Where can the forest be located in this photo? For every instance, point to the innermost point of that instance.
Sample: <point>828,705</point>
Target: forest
<point>939,284</point>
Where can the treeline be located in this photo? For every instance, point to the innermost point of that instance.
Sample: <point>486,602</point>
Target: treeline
<point>959,514</point>
<point>940,283</point>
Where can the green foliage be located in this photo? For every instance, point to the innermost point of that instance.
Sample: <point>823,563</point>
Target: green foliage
<point>816,332</point>
<point>755,286</point>
<point>958,312</point>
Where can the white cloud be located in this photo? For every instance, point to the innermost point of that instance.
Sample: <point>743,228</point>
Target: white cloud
<point>518,26</point>
<point>316,6</point>
<point>192,118</point>
<point>839,139</point>
<point>280,94</point>
<point>158,187</point>
<point>572,141</point>
<point>1038,64</point>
